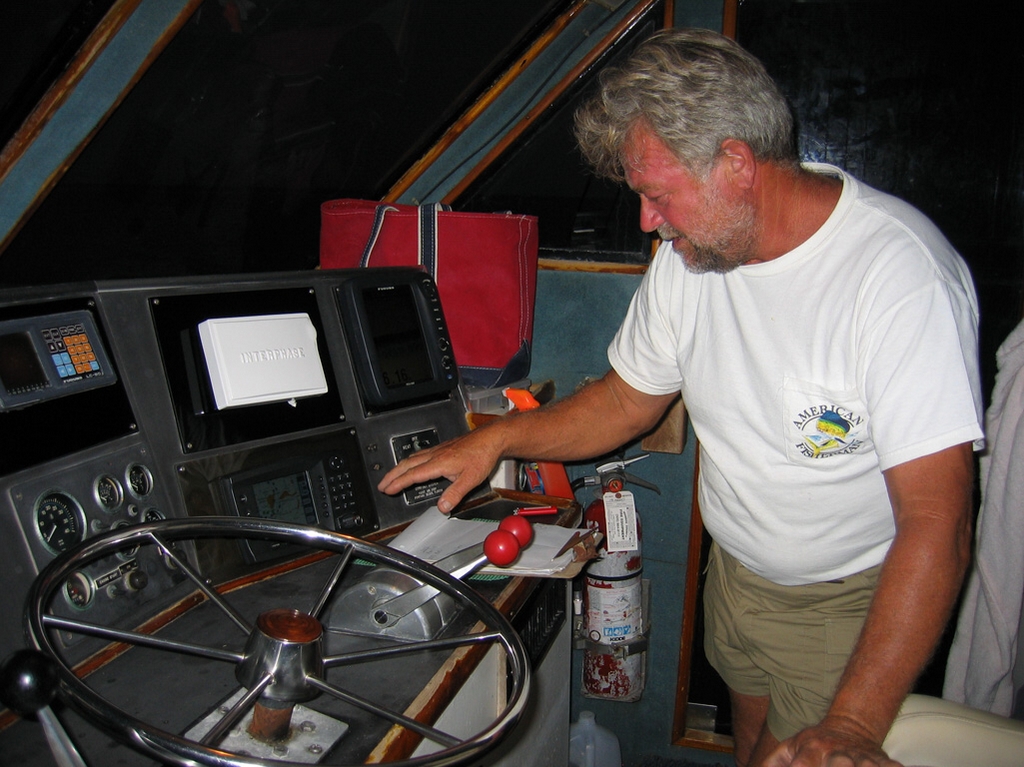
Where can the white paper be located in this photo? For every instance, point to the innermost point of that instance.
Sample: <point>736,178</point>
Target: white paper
<point>434,536</point>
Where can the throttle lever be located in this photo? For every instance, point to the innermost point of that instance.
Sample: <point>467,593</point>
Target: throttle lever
<point>501,547</point>
<point>28,684</point>
<point>459,565</point>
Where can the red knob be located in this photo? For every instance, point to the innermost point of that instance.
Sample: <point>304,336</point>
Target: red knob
<point>520,527</point>
<point>501,547</point>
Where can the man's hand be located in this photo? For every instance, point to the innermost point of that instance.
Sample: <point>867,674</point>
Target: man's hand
<point>917,587</point>
<point>593,421</point>
<point>833,743</point>
<point>466,461</point>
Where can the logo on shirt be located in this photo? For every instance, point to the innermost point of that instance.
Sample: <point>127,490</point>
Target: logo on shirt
<point>828,430</point>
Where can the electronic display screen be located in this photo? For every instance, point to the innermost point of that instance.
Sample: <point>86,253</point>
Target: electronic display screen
<point>394,324</point>
<point>20,369</point>
<point>50,356</point>
<point>399,341</point>
<point>285,499</point>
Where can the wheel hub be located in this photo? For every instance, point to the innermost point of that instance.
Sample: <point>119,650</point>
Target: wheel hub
<point>287,646</point>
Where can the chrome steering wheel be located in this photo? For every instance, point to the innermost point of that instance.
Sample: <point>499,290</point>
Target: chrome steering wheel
<point>281,659</point>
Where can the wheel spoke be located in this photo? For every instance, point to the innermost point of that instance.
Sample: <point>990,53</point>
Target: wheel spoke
<point>394,651</point>
<point>332,583</point>
<point>237,712</point>
<point>392,716</point>
<point>197,579</point>
<point>286,650</point>
<point>144,640</point>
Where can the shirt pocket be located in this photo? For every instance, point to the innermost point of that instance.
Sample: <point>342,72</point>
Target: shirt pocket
<point>820,423</point>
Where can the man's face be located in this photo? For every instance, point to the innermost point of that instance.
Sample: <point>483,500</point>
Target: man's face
<point>710,229</point>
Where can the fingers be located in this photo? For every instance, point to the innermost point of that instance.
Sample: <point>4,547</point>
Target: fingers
<point>412,472</point>
<point>464,462</point>
<point>454,493</point>
<point>782,756</point>
<point>817,747</point>
<point>409,471</point>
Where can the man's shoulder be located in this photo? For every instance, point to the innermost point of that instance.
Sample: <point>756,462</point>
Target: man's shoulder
<point>887,210</point>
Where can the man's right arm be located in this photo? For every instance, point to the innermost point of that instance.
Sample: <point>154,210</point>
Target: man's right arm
<point>595,420</point>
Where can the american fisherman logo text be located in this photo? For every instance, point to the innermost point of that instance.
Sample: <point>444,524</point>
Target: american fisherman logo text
<point>828,430</point>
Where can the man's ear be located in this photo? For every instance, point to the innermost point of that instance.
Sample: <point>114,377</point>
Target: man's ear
<point>737,164</point>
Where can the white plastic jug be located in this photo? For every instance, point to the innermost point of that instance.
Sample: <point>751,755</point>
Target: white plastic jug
<point>591,745</point>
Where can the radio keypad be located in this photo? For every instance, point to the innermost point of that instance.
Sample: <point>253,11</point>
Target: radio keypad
<point>70,349</point>
<point>341,495</point>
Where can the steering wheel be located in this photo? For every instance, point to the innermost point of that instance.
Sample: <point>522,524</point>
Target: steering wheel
<point>281,658</point>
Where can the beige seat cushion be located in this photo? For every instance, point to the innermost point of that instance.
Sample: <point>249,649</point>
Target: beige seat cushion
<point>931,732</point>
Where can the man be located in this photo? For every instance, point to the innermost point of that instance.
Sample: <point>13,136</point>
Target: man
<point>824,338</point>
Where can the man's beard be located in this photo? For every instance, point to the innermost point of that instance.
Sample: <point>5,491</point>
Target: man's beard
<point>729,244</point>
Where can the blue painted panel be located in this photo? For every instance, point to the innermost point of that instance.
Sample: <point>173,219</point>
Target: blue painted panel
<point>577,315</point>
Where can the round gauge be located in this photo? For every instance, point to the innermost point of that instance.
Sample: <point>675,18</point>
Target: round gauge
<point>152,515</point>
<point>108,493</point>
<point>59,521</point>
<point>139,480</point>
<point>78,590</point>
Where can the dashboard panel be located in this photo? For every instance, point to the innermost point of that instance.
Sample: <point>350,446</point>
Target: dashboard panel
<point>137,432</point>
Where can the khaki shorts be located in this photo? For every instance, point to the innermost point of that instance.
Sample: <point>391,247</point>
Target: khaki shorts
<point>790,643</point>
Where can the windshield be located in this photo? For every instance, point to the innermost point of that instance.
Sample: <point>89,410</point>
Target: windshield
<point>255,113</point>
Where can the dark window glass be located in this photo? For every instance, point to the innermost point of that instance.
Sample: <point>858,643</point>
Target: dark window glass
<point>581,217</point>
<point>38,38</point>
<point>256,112</point>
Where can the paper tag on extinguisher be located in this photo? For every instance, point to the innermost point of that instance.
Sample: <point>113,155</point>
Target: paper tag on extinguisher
<point>620,521</point>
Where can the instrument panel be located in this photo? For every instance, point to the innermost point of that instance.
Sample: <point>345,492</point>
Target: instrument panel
<point>109,417</point>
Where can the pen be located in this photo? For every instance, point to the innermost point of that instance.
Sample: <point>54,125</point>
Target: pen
<point>578,537</point>
<point>536,512</point>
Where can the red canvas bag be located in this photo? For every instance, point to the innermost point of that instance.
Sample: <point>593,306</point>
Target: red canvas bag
<point>484,264</point>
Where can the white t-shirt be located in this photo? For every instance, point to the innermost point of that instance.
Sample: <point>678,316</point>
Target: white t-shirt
<point>807,376</point>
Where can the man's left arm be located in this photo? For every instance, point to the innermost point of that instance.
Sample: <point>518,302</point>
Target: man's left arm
<point>918,585</point>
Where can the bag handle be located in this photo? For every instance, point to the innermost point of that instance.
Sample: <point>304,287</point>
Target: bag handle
<point>378,222</point>
<point>426,214</point>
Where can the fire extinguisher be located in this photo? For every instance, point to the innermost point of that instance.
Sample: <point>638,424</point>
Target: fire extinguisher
<point>613,630</point>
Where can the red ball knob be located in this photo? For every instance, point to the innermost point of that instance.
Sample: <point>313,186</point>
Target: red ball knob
<point>501,547</point>
<point>520,527</point>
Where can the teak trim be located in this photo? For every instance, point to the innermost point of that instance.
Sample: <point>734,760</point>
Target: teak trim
<point>635,16</point>
<point>603,267</point>
<point>399,743</point>
<point>623,27</point>
<point>485,100</point>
